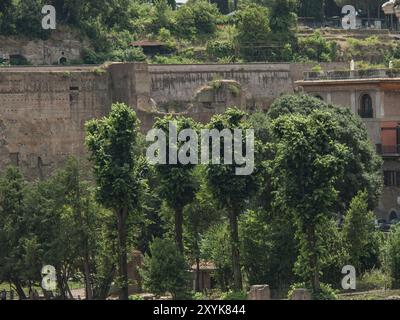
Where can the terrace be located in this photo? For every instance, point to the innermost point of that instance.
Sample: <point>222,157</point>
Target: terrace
<point>351,75</point>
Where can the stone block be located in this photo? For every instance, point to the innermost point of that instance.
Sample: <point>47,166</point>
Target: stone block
<point>260,292</point>
<point>301,294</point>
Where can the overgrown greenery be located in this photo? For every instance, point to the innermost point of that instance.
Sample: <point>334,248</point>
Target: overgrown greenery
<point>313,164</point>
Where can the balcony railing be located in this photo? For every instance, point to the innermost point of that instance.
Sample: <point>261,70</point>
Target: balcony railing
<point>388,150</point>
<point>348,75</point>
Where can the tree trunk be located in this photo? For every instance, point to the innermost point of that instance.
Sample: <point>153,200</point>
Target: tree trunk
<point>237,273</point>
<point>179,229</point>
<point>123,260</point>
<point>197,287</point>
<point>61,284</point>
<point>88,283</point>
<point>313,259</point>
<point>20,291</point>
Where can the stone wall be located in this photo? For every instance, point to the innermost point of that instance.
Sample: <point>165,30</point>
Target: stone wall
<point>43,110</point>
<point>42,116</point>
<point>43,52</point>
<point>263,82</point>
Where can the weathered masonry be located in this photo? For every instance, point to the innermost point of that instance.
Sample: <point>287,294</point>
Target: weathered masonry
<point>43,110</point>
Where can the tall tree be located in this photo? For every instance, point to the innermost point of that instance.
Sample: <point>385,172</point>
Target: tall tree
<point>363,166</point>
<point>13,230</point>
<point>178,184</point>
<point>309,160</point>
<point>231,191</point>
<point>117,168</point>
<point>358,228</point>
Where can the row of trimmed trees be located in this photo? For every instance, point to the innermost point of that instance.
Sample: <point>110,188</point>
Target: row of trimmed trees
<point>311,161</point>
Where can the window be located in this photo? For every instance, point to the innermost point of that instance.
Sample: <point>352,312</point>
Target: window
<point>366,110</point>
<point>392,178</point>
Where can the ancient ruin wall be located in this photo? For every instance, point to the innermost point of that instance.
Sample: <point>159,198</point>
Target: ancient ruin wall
<point>42,116</point>
<point>43,110</point>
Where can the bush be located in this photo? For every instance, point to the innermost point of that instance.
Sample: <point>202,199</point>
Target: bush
<point>220,49</point>
<point>234,295</point>
<point>196,18</point>
<point>165,270</point>
<point>316,48</point>
<point>326,293</point>
<point>358,228</point>
<point>135,297</point>
<point>374,279</point>
<point>215,246</point>
<point>391,256</point>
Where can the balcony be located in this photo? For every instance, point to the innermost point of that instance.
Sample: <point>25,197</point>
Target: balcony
<point>349,75</point>
<point>388,150</point>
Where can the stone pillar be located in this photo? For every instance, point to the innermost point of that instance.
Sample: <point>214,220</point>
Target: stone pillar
<point>378,105</point>
<point>354,103</point>
<point>329,97</point>
<point>301,294</point>
<point>130,84</point>
<point>260,292</point>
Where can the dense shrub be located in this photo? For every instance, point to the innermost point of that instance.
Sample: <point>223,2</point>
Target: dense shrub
<point>326,293</point>
<point>165,270</point>
<point>391,256</point>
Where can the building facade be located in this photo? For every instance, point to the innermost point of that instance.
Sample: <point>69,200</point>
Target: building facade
<point>375,96</point>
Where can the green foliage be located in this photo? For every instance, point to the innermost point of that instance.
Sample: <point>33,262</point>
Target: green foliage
<point>60,224</point>
<point>316,48</point>
<point>177,182</point>
<point>269,249</point>
<point>136,298</point>
<point>234,295</point>
<point>220,49</point>
<point>326,292</point>
<point>196,18</point>
<point>253,31</point>
<point>111,141</point>
<point>128,55</point>
<point>309,160</point>
<point>215,246</point>
<point>358,228</point>
<point>363,167</point>
<point>312,8</point>
<point>165,270</point>
<point>376,279</point>
<point>118,170</point>
<point>391,256</point>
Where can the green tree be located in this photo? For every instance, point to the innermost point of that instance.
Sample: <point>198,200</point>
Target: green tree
<point>7,17</point>
<point>253,30</point>
<point>312,8</point>
<point>269,248</point>
<point>165,270</point>
<point>358,228</point>
<point>363,166</point>
<point>216,247</point>
<point>177,182</point>
<point>117,168</point>
<point>391,256</point>
<point>201,214</point>
<point>231,191</point>
<point>29,19</point>
<point>13,231</point>
<point>309,161</point>
<point>196,18</point>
